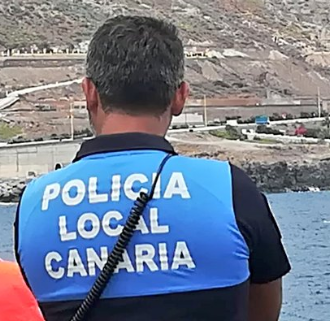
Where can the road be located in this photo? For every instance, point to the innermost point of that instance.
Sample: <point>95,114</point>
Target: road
<point>172,131</point>
<point>43,87</point>
<point>8,101</point>
<point>275,122</point>
<point>41,57</point>
<point>284,138</point>
<point>13,97</point>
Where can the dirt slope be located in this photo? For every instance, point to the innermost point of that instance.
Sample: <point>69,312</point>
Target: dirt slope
<point>272,39</point>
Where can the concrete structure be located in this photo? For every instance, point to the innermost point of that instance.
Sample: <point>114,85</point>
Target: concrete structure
<point>246,112</point>
<point>186,118</point>
<point>18,161</point>
<point>251,135</point>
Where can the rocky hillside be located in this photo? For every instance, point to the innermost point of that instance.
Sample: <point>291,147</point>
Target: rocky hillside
<point>279,44</point>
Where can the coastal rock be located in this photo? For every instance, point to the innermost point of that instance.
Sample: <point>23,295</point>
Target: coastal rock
<point>278,177</point>
<point>282,176</point>
<point>10,190</point>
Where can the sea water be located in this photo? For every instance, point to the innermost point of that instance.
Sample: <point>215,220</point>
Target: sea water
<point>304,219</point>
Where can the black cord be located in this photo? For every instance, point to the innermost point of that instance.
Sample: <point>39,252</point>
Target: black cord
<point>116,255</point>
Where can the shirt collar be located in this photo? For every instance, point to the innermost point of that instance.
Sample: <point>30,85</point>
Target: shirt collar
<point>123,142</point>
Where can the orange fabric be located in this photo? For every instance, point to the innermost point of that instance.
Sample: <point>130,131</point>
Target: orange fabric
<point>16,301</point>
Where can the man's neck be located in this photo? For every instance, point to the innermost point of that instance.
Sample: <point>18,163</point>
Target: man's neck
<point>117,124</point>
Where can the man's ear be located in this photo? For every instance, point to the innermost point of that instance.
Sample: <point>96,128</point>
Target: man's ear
<point>91,94</point>
<point>179,99</point>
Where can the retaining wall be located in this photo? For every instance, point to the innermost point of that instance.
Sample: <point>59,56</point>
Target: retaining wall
<point>18,161</point>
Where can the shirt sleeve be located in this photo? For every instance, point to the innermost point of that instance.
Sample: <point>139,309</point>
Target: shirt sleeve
<point>268,259</point>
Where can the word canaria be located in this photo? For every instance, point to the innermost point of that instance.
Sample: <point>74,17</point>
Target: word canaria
<point>144,257</point>
<point>75,191</point>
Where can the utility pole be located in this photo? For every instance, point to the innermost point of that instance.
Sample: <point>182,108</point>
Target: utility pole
<point>318,101</point>
<point>71,120</point>
<point>172,5</point>
<point>205,112</point>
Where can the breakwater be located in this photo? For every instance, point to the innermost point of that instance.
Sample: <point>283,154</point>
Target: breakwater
<point>277,177</point>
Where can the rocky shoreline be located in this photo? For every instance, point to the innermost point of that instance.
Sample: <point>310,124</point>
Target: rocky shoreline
<point>10,190</point>
<point>279,177</point>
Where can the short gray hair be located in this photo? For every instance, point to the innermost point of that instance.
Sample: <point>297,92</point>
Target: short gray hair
<point>136,64</point>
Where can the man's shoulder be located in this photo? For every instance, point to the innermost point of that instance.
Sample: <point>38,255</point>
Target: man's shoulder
<point>38,184</point>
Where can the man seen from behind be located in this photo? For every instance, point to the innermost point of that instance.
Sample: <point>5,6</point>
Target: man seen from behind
<point>207,246</point>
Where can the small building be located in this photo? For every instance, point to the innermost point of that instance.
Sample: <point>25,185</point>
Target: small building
<point>79,108</point>
<point>188,119</point>
<point>58,105</point>
<point>79,105</point>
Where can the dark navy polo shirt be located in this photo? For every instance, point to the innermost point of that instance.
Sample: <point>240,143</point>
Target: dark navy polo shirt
<point>254,219</point>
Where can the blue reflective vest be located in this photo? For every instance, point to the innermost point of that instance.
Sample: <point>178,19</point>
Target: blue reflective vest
<point>187,239</point>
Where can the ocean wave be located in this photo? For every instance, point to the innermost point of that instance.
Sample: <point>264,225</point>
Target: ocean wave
<point>5,204</point>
